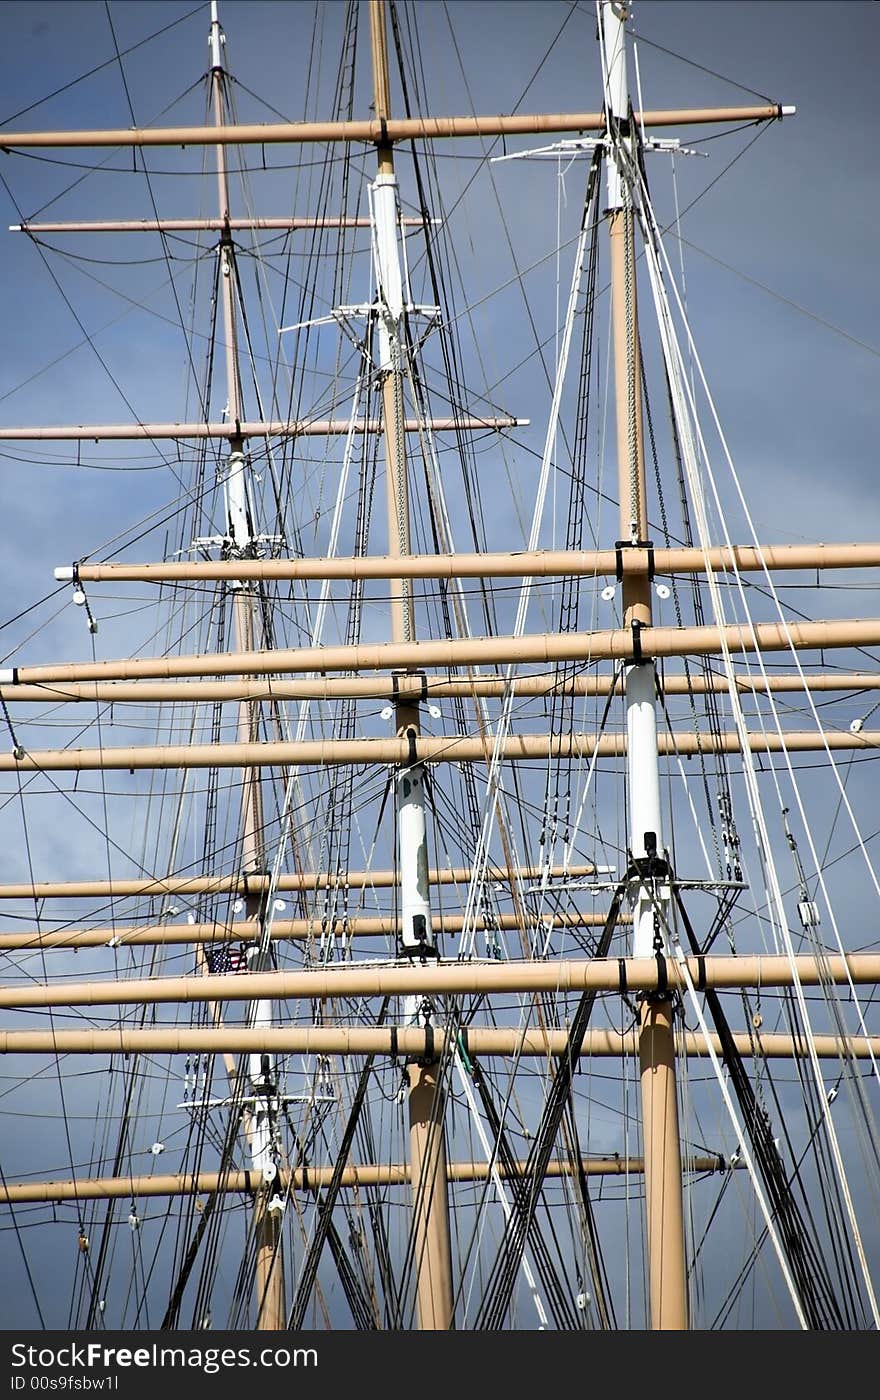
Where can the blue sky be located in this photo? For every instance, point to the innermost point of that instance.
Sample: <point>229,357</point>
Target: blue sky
<point>797,213</point>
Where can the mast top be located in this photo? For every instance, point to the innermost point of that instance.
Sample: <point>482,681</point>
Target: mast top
<point>216,38</point>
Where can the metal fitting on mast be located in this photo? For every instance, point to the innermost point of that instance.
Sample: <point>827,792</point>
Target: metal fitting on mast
<point>216,38</point>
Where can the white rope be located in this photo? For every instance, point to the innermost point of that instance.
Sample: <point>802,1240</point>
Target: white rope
<point>293,781</point>
<point>480,859</point>
<point>458,596</point>
<point>695,486</point>
<point>495,1175</point>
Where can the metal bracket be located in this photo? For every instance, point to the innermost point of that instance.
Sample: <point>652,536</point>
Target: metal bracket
<point>621,545</point>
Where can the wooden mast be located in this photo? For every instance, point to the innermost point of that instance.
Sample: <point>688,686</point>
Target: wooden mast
<point>649,890</point>
<point>269,1278</point>
<point>430,1225</point>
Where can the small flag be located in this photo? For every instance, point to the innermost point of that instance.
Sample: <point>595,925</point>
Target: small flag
<point>222,957</point>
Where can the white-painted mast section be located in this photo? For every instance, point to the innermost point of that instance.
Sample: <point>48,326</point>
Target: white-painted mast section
<point>643,777</point>
<point>262,1071</point>
<point>649,891</point>
<point>415,908</point>
<point>387,260</point>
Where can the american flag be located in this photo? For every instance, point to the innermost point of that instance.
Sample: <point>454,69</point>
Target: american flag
<point>222,957</point>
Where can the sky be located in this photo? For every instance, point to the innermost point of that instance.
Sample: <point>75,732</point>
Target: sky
<point>796,214</point>
<point>780,258</point>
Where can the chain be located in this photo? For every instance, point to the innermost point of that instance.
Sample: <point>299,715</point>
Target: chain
<point>658,935</point>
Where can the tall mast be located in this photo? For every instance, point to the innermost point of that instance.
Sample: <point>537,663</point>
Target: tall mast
<point>431,1253</point>
<point>649,885</point>
<point>262,1078</point>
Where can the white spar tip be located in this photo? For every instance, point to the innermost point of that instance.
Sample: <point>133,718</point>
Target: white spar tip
<point>787,111</point>
<point>7,676</point>
<point>64,573</point>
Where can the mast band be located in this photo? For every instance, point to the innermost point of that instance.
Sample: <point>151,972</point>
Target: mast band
<point>662,978</point>
<point>430,1055</point>
<point>409,675</point>
<point>621,545</point>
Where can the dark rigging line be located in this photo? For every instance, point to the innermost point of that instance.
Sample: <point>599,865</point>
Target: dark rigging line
<point>98,68</point>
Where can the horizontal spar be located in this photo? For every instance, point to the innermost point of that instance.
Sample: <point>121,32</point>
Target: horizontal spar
<point>315,427</point>
<point>414,687</point>
<point>380,131</point>
<point>536,563</point>
<point>312,1178</point>
<point>544,648</point>
<point>149,935</point>
<point>479,1041</point>
<point>312,753</point>
<point>451,978</point>
<point>206,225</point>
<point>154,887</point>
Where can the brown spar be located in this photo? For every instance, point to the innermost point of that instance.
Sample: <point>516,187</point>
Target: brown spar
<point>316,1178</point>
<point>540,649</point>
<point>147,935</point>
<point>413,687</point>
<point>424,749</point>
<point>482,1041</point>
<point>183,885</point>
<point>454,978</point>
<point>525,564</point>
<point>381,131</point>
